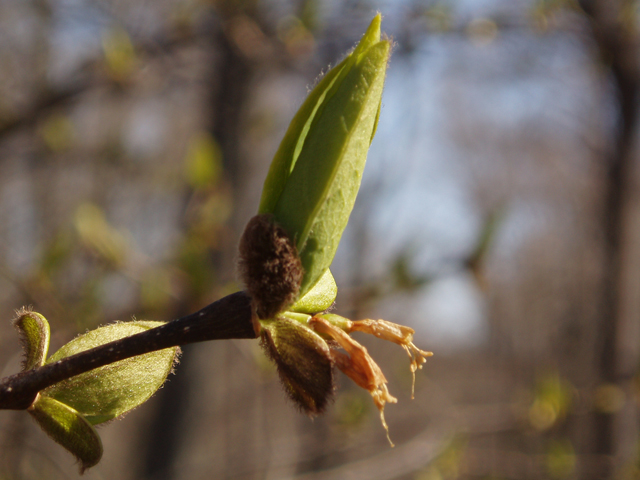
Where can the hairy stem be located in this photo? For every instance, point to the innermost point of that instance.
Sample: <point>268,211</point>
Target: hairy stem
<point>227,318</point>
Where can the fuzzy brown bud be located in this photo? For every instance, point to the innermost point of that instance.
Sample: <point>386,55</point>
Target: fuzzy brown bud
<point>269,266</point>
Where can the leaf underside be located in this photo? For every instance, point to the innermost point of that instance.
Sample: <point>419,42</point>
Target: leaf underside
<point>68,428</point>
<point>319,298</point>
<point>315,204</point>
<point>110,391</point>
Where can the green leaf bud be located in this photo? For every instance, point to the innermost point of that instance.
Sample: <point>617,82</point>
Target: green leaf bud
<point>68,428</point>
<point>316,173</point>
<point>319,298</point>
<point>110,391</point>
<point>34,333</point>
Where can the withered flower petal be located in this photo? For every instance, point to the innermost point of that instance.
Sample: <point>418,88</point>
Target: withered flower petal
<point>304,363</point>
<point>398,334</point>
<point>358,366</point>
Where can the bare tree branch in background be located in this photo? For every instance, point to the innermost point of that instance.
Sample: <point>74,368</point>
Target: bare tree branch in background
<point>615,36</point>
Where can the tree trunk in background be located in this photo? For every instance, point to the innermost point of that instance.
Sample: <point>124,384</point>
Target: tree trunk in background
<point>617,47</point>
<point>231,76</point>
<point>234,75</point>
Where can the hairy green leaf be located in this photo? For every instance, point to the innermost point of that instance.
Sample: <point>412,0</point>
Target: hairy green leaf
<point>285,158</point>
<point>68,428</point>
<point>34,333</point>
<point>303,360</point>
<point>320,297</point>
<point>110,391</point>
<point>317,196</point>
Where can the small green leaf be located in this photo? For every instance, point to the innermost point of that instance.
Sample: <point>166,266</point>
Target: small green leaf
<point>303,360</point>
<point>34,333</point>
<point>315,176</point>
<point>302,318</point>
<point>68,428</point>
<point>320,297</point>
<point>337,321</point>
<point>204,161</point>
<point>108,392</point>
<point>119,52</point>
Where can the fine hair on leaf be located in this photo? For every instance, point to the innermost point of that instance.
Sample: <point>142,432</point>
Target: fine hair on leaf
<point>304,363</point>
<point>33,331</point>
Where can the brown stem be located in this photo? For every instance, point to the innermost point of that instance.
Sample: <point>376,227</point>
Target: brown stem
<point>227,318</point>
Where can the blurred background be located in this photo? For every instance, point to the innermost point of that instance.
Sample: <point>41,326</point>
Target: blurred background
<point>498,216</point>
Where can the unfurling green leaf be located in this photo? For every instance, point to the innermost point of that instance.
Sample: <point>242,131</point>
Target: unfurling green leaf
<point>303,360</point>
<point>68,428</point>
<point>320,297</point>
<point>285,158</point>
<point>34,333</point>
<point>315,175</point>
<point>110,391</point>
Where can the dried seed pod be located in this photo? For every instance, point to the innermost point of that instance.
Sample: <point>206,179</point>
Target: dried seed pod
<point>269,266</point>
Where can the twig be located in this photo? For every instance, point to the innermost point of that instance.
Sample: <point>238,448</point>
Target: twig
<point>227,318</point>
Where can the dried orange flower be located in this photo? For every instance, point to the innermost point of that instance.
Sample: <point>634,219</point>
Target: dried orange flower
<point>357,365</point>
<point>395,333</point>
<point>297,342</point>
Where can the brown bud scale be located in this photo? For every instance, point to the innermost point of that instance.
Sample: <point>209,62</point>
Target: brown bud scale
<point>304,363</point>
<point>269,266</point>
